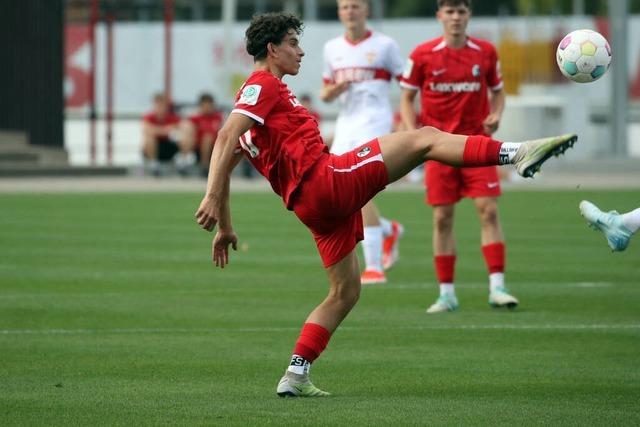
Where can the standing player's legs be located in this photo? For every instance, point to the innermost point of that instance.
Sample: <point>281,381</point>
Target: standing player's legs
<point>344,291</point>
<point>493,250</point>
<point>372,245</point>
<point>444,185</point>
<point>378,231</point>
<point>444,258</point>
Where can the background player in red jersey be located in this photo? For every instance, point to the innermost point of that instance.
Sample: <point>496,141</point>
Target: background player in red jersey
<point>159,133</point>
<point>326,191</point>
<point>461,92</point>
<point>201,130</point>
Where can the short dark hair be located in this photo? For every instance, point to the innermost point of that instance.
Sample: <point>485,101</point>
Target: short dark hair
<point>454,3</point>
<point>268,28</point>
<point>205,97</point>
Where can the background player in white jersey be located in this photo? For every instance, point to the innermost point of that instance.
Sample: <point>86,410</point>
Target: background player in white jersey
<point>358,68</point>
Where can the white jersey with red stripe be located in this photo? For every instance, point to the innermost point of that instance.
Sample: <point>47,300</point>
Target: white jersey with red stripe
<point>369,65</point>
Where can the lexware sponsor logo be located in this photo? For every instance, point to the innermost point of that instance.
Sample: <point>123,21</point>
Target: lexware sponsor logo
<point>455,87</point>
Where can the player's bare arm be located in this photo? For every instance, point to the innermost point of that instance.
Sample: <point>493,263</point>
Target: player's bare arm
<point>496,107</point>
<point>407,109</point>
<point>214,208</point>
<point>331,91</point>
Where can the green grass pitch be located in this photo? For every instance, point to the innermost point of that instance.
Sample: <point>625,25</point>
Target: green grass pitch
<point>112,314</point>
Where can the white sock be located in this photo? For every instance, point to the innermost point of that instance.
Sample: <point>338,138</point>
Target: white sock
<point>508,151</point>
<point>447,289</point>
<point>372,248</point>
<point>631,220</point>
<point>299,365</point>
<point>496,280</point>
<point>387,228</point>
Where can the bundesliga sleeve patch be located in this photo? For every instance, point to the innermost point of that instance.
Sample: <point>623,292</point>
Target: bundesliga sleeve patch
<point>250,95</point>
<point>408,69</point>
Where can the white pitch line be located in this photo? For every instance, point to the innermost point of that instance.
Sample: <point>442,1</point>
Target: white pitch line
<point>551,327</point>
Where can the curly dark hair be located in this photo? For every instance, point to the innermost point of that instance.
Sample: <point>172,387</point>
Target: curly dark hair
<point>268,28</point>
<point>454,3</point>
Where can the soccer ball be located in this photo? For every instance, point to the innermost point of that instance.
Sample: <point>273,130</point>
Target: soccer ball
<point>583,56</point>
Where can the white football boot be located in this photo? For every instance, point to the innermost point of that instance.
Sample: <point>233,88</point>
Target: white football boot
<point>532,154</point>
<point>296,385</point>
<point>443,304</point>
<point>610,223</point>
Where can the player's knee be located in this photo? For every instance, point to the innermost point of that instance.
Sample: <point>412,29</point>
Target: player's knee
<point>489,215</point>
<point>443,222</point>
<point>426,137</point>
<point>346,295</point>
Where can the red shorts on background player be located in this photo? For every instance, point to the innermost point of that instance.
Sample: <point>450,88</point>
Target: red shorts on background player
<point>280,137</point>
<point>460,84</point>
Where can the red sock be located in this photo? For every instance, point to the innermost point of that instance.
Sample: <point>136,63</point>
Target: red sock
<point>445,266</point>
<point>494,257</point>
<point>481,151</point>
<point>313,339</point>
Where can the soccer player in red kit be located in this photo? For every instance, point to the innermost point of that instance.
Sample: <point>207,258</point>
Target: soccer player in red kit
<point>201,130</point>
<point>326,192</point>
<point>461,92</point>
<point>159,127</point>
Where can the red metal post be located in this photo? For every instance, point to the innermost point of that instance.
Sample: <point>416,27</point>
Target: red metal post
<point>109,86</point>
<point>168,41</point>
<point>93,21</point>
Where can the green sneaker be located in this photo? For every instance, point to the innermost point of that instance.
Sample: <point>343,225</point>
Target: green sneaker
<point>501,298</point>
<point>443,304</point>
<point>532,154</point>
<point>295,385</point>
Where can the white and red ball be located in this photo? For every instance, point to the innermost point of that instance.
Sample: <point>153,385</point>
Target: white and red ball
<point>583,56</point>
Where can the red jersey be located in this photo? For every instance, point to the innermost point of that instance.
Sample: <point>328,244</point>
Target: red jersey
<point>168,119</point>
<point>285,142</point>
<point>206,124</point>
<point>454,83</point>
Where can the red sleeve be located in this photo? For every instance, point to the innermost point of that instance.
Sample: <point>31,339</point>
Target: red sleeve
<point>412,76</point>
<point>494,75</point>
<point>148,118</point>
<point>173,119</point>
<point>257,97</point>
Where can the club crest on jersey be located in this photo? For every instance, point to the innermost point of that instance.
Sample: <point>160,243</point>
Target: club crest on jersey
<point>250,94</point>
<point>371,56</point>
<point>475,70</point>
<point>363,152</point>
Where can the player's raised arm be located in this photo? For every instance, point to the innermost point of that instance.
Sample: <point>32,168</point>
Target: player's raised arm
<point>214,208</point>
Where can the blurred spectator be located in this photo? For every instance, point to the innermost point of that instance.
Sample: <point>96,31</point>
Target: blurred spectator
<point>160,133</point>
<point>305,100</point>
<point>201,130</point>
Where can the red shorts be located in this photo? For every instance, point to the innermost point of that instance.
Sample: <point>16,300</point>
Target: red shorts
<point>329,199</point>
<point>446,185</point>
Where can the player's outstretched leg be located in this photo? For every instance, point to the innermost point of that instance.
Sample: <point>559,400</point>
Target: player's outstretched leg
<point>403,151</point>
<point>617,228</point>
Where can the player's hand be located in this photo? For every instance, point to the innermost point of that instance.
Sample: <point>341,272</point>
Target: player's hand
<point>220,247</point>
<point>491,123</point>
<point>340,88</point>
<point>332,91</point>
<point>208,213</point>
